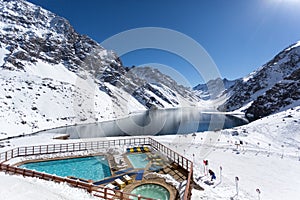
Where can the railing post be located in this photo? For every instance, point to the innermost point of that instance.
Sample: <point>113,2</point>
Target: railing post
<point>121,194</point>
<point>187,165</point>
<point>105,193</point>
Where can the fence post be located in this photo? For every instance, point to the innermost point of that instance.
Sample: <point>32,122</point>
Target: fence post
<point>105,193</point>
<point>121,194</point>
<point>237,186</point>
<point>258,193</point>
<point>221,173</point>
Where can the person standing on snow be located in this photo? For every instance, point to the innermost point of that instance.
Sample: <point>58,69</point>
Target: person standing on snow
<point>212,174</point>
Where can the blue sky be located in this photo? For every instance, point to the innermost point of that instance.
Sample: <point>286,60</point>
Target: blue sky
<point>239,35</point>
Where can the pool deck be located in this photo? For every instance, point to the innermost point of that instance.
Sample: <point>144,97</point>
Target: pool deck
<point>149,176</point>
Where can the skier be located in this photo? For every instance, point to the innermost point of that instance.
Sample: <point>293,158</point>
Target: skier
<point>212,174</point>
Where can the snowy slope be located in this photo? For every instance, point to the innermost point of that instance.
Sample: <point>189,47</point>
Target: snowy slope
<point>265,82</point>
<point>269,158</point>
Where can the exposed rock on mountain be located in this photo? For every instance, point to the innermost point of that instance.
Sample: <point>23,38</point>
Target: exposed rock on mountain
<point>271,88</point>
<point>283,95</point>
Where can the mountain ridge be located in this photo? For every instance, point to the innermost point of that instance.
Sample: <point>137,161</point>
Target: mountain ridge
<point>275,77</point>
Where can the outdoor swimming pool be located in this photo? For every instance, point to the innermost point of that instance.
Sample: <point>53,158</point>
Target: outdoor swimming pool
<point>138,160</point>
<point>89,168</point>
<point>153,191</point>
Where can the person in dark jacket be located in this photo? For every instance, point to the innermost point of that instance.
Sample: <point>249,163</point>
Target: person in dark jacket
<point>212,175</point>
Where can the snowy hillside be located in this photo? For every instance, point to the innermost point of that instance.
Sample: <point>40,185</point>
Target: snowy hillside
<point>272,82</point>
<point>166,88</point>
<point>53,76</point>
<point>283,95</point>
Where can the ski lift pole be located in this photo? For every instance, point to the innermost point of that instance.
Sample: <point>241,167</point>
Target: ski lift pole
<point>258,193</point>
<point>282,146</point>
<point>237,186</point>
<point>221,173</point>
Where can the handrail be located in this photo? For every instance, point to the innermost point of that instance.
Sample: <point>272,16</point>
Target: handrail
<point>185,164</point>
<point>87,186</point>
<point>93,145</point>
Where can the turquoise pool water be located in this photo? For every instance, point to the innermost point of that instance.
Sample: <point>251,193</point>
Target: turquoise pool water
<point>153,191</point>
<point>138,160</point>
<point>92,167</point>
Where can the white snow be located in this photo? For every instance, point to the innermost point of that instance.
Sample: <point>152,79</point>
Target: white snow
<point>30,103</point>
<point>261,162</point>
<point>56,72</point>
<point>3,53</point>
<point>297,44</point>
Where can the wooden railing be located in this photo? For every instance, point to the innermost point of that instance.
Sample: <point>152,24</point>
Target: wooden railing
<point>178,159</point>
<point>69,147</point>
<point>98,191</point>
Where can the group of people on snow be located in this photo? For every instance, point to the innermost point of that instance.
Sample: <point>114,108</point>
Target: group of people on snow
<point>211,172</point>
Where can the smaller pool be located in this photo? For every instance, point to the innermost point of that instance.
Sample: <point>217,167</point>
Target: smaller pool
<point>153,191</point>
<point>92,167</point>
<point>138,160</point>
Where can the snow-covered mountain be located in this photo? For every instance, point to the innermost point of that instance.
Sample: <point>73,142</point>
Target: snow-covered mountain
<point>164,87</point>
<point>217,88</point>
<point>50,75</point>
<point>271,88</point>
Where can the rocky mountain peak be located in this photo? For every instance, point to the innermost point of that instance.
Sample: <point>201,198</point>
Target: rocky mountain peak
<point>266,90</point>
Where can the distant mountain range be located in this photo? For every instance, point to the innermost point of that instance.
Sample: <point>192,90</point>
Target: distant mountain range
<point>271,88</point>
<point>217,88</point>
